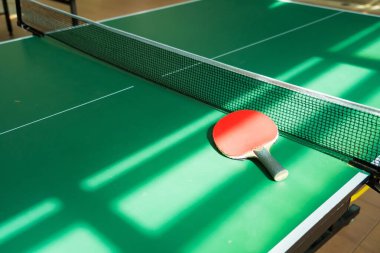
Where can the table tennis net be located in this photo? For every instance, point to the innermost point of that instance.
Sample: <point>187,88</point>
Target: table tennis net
<point>337,127</point>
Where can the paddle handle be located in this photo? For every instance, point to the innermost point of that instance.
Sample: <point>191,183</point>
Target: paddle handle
<point>273,167</point>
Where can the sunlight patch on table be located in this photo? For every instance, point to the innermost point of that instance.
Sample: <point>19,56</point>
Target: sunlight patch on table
<point>357,37</point>
<point>337,78</point>
<point>299,69</point>
<point>371,50</point>
<point>77,238</point>
<point>28,218</point>
<point>116,170</point>
<point>159,203</point>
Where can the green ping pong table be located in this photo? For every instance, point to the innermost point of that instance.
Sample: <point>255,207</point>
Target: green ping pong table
<point>95,159</point>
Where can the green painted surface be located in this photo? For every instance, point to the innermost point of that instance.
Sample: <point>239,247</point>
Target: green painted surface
<point>212,27</point>
<point>135,171</point>
<point>345,57</point>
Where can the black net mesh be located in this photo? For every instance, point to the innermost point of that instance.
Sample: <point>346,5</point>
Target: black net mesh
<point>333,126</point>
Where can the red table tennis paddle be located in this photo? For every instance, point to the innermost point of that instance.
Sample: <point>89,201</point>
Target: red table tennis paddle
<point>247,133</point>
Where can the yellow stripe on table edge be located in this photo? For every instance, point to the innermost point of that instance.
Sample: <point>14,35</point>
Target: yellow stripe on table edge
<point>359,193</point>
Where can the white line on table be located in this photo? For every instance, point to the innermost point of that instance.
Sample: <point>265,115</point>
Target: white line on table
<point>69,109</point>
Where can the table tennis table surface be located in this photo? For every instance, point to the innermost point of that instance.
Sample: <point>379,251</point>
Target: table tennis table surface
<point>97,158</point>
